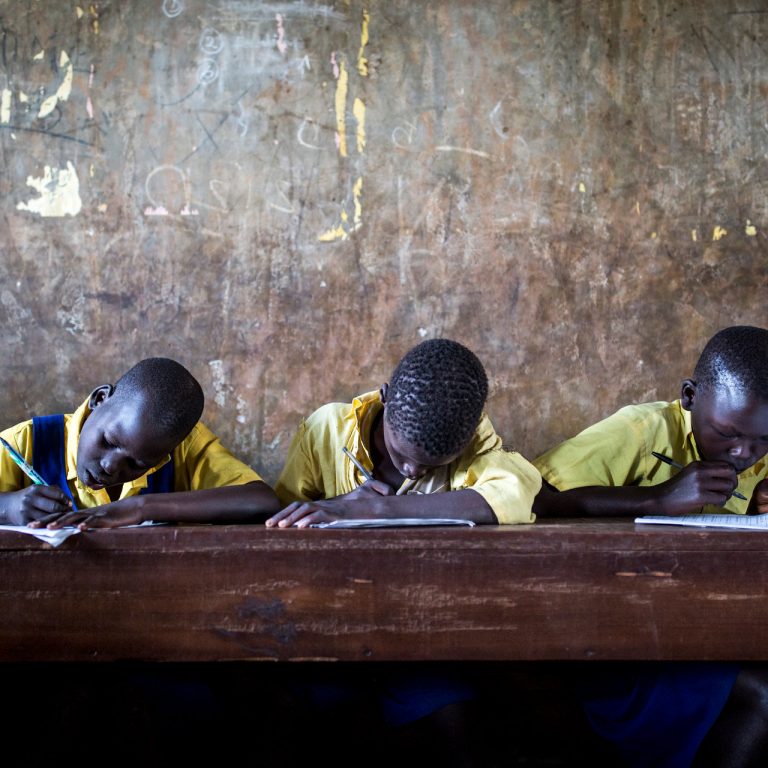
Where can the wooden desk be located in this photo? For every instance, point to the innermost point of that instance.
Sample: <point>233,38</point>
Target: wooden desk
<point>571,590</point>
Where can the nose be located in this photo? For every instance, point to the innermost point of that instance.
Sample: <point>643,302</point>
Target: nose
<point>744,449</point>
<point>110,464</point>
<point>414,471</point>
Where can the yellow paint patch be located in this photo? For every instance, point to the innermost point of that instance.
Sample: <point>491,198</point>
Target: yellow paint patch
<point>338,233</point>
<point>694,235</point>
<point>341,108</point>
<point>59,191</point>
<point>750,230</point>
<point>5,106</point>
<point>357,194</point>
<point>582,188</point>
<point>39,56</point>
<point>23,98</point>
<point>362,62</point>
<point>653,235</point>
<point>637,207</point>
<point>718,233</point>
<point>63,91</point>
<point>79,11</point>
<point>358,109</point>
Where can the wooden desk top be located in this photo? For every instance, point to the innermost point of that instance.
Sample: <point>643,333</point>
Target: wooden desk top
<point>556,590</point>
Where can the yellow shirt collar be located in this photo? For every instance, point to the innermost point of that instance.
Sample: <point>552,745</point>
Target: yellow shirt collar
<point>365,408</point>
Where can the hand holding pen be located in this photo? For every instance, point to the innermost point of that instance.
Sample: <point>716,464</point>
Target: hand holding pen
<point>38,501</point>
<point>696,485</point>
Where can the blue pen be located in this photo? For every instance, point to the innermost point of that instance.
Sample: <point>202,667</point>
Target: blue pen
<point>25,468</point>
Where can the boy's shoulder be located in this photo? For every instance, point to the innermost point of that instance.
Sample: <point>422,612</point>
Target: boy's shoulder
<point>648,413</point>
<point>342,416</point>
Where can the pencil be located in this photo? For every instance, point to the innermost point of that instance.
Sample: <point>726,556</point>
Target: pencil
<point>25,468</point>
<point>408,483</point>
<point>677,465</point>
<point>366,474</point>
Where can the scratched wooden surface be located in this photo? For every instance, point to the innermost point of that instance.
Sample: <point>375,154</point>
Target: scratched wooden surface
<point>565,591</point>
<point>287,196</point>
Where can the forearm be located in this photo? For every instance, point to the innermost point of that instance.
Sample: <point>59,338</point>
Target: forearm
<point>598,501</point>
<point>458,505</point>
<point>230,504</point>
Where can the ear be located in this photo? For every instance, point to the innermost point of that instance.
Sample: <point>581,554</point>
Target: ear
<point>100,395</point>
<point>688,393</point>
<point>383,390</point>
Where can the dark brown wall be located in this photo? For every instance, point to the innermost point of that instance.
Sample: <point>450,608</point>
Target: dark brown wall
<point>577,190</point>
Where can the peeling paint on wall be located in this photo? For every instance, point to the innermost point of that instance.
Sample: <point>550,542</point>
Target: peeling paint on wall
<point>59,191</point>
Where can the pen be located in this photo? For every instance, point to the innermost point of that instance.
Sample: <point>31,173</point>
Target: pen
<point>25,468</point>
<point>366,474</point>
<point>677,465</point>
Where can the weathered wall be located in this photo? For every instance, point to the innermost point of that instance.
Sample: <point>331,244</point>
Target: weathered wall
<point>287,196</point>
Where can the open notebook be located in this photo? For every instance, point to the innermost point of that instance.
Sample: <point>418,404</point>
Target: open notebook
<point>740,522</point>
<point>395,522</point>
<point>54,538</point>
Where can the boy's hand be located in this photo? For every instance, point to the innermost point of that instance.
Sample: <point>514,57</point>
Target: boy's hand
<point>115,515</point>
<point>302,514</point>
<point>700,483</point>
<point>759,503</point>
<point>33,504</point>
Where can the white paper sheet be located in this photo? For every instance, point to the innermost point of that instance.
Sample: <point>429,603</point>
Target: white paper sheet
<point>739,522</point>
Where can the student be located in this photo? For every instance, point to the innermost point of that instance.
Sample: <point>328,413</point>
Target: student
<point>430,452</point>
<point>114,460</point>
<point>422,433</point>
<point>718,432</point>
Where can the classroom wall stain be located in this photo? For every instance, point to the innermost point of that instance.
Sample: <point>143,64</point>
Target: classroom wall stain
<point>505,168</point>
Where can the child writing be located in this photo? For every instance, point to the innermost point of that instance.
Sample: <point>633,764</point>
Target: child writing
<point>422,433</point>
<point>717,430</point>
<point>424,449</point>
<point>718,433</point>
<point>115,460</point>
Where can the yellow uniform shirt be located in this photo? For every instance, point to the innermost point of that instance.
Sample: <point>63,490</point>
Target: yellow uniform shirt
<point>200,461</point>
<point>617,451</point>
<point>316,468</point>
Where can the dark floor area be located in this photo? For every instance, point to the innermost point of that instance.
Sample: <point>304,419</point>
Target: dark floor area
<point>293,714</point>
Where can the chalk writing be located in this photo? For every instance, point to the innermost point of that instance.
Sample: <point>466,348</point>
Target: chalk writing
<point>173,8</point>
<point>211,42</point>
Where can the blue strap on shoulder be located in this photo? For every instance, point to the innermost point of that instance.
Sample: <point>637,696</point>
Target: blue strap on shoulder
<point>48,451</point>
<point>160,481</point>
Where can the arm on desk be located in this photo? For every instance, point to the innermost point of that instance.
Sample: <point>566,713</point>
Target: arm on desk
<point>465,504</point>
<point>698,484</point>
<point>250,502</point>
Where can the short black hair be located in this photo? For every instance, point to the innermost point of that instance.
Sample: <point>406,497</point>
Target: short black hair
<point>436,396</point>
<point>171,395</point>
<point>735,358</point>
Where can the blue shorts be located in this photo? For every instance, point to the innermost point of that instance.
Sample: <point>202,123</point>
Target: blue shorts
<point>657,715</point>
<point>400,694</point>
